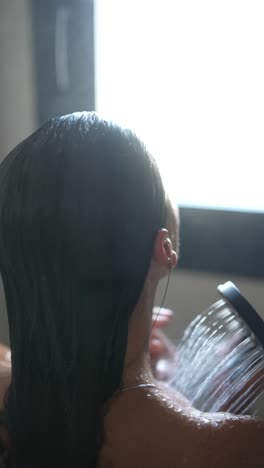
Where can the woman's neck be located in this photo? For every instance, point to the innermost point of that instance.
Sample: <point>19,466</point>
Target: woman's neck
<point>138,372</point>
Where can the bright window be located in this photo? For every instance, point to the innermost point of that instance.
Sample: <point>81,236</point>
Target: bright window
<point>188,77</point>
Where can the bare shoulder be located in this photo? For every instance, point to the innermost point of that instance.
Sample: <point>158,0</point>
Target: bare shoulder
<point>211,440</point>
<point>235,441</point>
<point>152,429</point>
<point>222,439</point>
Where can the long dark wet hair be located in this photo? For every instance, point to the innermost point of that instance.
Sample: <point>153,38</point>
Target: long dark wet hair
<point>81,201</point>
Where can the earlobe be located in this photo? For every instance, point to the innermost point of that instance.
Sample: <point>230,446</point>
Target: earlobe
<point>173,260</point>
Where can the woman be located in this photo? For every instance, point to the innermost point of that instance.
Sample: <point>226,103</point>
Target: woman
<point>86,233</point>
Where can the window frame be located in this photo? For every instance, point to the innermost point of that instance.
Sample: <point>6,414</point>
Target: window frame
<point>222,241</point>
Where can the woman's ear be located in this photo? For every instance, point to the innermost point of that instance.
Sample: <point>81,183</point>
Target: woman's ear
<point>164,254</point>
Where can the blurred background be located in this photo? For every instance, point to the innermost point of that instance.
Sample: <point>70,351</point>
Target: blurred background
<point>188,78</point>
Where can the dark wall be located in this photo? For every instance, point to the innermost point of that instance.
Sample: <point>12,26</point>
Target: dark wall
<point>63,39</point>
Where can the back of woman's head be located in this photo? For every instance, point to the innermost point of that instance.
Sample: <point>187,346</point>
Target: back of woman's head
<point>81,201</point>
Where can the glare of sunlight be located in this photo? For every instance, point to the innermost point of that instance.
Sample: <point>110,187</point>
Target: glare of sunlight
<point>188,77</point>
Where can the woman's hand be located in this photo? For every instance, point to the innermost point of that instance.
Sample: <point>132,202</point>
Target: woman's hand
<point>163,355</point>
<point>162,350</point>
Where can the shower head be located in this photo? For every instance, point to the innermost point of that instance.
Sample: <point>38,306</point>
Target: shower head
<point>231,294</point>
<point>220,358</point>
